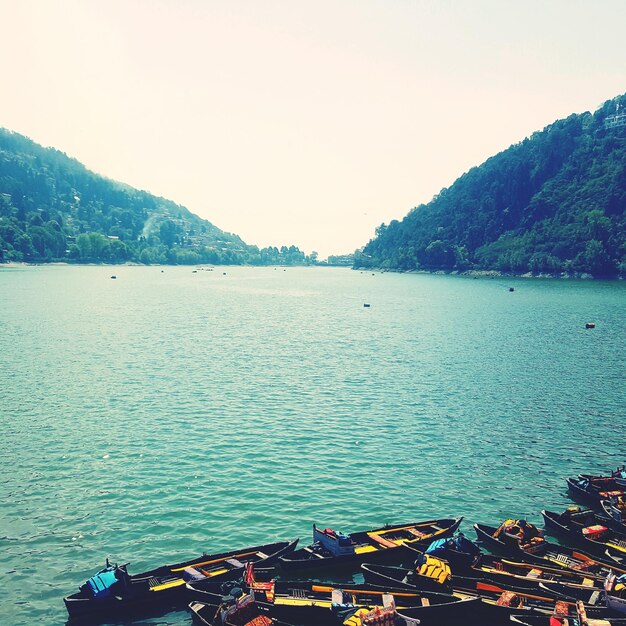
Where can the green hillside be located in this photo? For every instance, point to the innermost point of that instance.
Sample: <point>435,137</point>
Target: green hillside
<point>54,209</point>
<point>553,203</point>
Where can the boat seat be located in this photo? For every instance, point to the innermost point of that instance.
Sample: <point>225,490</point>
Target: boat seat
<point>382,541</point>
<point>563,558</point>
<point>191,573</point>
<point>235,562</point>
<point>215,572</point>
<point>177,582</point>
<point>579,515</point>
<point>313,553</point>
<point>262,555</point>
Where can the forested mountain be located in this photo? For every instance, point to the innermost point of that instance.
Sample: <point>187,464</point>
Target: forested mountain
<point>54,209</point>
<point>553,203</point>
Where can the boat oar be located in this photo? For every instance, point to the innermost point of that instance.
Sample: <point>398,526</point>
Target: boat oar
<point>236,556</point>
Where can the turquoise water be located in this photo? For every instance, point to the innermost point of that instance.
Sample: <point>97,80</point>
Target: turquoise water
<point>167,413</point>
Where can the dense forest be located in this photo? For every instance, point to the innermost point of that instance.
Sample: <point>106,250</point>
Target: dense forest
<point>554,203</point>
<point>53,209</point>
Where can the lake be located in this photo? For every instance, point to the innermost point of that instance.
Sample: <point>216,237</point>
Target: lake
<point>166,413</point>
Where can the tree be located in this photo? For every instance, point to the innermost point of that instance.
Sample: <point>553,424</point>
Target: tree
<point>168,233</point>
<point>438,254</point>
<point>83,244</point>
<point>595,259</point>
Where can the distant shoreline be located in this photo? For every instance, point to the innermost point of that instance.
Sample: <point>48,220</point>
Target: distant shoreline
<point>493,274</point>
<point>135,264</point>
<point>468,273</point>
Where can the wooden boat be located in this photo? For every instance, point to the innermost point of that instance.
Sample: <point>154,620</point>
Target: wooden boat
<point>385,544</point>
<point>243,613</point>
<point>558,619</point>
<point>530,575</point>
<point>511,575</point>
<point>592,490</point>
<point>618,474</point>
<point>385,616</point>
<point>516,573</point>
<point>589,595</point>
<point>461,611</point>
<point>616,593</point>
<point>509,596</point>
<point>113,591</point>
<point>545,553</point>
<point>586,528</point>
<point>304,602</point>
<point>614,509</point>
<point>469,612</point>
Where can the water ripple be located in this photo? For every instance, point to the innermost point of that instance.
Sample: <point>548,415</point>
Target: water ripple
<point>171,414</point>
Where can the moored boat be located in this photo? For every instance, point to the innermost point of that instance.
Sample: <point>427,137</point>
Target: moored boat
<point>526,577</point>
<point>506,571</point>
<point>113,591</point>
<point>615,589</point>
<point>594,595</point>
<point>591,490</point>
<point>558,618</point>
<point>614,509</point>
<point>619,474</point>
<point>232,612</point>
<point>545,552</point>
<point>423,614</point>
<point>512,598</point>
<point>468,611</point>
<point>385,544</point>
<point>512,537</point>
<point>562,620</point>
<point>304,602</point>
<point>530,575</point>
<point>586,528</point>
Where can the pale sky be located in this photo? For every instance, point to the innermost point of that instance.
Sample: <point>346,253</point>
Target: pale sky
<point>305,123</point>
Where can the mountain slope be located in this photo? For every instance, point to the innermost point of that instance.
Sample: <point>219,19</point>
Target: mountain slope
<point>555,202</point>
<point>53,208</point>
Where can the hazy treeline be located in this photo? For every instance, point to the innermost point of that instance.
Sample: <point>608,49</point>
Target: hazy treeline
<point>556,202</point>
<point>53,209</point>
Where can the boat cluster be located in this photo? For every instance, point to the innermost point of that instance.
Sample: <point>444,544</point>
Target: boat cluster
<point>425,573</point>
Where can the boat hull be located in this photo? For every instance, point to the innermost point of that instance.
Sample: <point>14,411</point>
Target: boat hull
<point>556,525</point>
<point>397,554</point>
<point>550,554</point>
<point>142,595</point>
